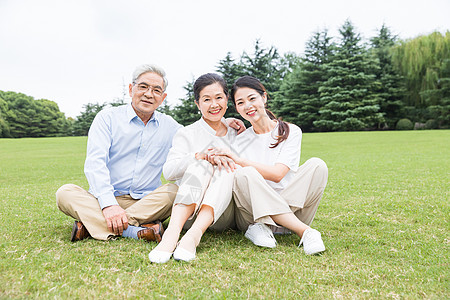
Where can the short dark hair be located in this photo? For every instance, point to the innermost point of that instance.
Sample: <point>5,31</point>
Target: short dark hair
<point>208,79</point>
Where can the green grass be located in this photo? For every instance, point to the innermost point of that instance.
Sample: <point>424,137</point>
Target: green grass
<point>384,218</point>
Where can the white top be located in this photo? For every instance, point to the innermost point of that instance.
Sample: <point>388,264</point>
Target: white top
<point>189,140</point>
<point>256,147</point>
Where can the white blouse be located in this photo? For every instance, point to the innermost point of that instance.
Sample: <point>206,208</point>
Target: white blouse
<point>189,140</point>
<point>256,147</point>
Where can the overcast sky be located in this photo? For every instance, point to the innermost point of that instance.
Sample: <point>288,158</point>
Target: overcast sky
<point>79,51</point>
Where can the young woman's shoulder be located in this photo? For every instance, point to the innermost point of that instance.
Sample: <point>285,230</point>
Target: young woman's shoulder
<point>294,129</point>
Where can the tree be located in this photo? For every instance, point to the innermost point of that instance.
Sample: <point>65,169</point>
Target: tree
<point>83,122</point>
<point>347,97</point>
<point>420,61</point>
<point>439,98</point>
<point>165,109</point>
<point>298,100</point>
<point>187,112</point>
<point>27,117</point>
<point>4,126</point>
<point>390,87</point>
<point>266,65</point>
<point>230,71</point>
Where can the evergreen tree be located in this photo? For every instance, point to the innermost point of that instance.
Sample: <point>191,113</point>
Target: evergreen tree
<point>390,85</point>
<point>187,112</point>
<point>298,100</point>
<point>230,71</point>
<point>165,108</point>
<point>83,122</point>
<point>347,97</point>
<point>266,65</point>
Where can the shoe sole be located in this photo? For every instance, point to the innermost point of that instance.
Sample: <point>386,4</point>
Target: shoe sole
<point>315,252</point>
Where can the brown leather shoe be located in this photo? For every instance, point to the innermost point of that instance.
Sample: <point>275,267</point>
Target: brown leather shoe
<point>79,232</point>
<point>152,232</point>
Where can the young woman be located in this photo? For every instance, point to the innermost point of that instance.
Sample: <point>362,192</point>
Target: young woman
<point>205,189</point>
<point>270,188</point>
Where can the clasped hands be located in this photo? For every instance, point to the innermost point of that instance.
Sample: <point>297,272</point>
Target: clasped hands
<point>220,157</point>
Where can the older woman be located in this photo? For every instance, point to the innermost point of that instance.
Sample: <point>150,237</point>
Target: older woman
<point>205,189</point>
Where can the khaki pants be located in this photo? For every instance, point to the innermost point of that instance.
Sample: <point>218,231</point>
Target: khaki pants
<point>81,205</point>
<point>256,201</point>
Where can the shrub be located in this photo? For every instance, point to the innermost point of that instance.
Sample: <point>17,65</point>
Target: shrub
<point>431,124</point>
<point>404,124</point>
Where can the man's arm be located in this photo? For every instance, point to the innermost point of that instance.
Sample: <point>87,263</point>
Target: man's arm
<point>98,176</point>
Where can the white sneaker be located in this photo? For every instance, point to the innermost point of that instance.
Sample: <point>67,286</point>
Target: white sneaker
<point>261,235</point>
<point>312,242</point>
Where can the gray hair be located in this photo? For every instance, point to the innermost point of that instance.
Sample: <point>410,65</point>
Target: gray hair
<point>148,68</point>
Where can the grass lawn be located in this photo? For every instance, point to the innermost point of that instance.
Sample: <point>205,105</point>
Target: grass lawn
<point>384,219</point>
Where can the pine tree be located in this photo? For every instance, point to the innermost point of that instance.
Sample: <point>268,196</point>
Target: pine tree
<point>266,65</point>
<point>347,97</point>
<point>390,87</point>
<point>230,71</point>
<point>187,112</point>
<point>298,100</point>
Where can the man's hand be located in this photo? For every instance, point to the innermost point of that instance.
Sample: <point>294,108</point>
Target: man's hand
<point>116,219</point>
<point>236,124</point>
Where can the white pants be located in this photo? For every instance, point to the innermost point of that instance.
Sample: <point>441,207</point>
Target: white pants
<point>205,184</point>
<point>256,201</point>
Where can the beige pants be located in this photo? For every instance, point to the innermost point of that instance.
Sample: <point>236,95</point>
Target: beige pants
<point>203,184</point>
<point>256,201</point>
<point>81,205</point>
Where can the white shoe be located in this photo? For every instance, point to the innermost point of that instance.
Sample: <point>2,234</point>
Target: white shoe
<point>183,254</point>
<point>312,242</point>
<point>159,257</point>
<point>261,235</point>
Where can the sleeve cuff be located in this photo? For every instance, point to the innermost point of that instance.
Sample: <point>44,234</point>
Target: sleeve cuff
<point>107,200</point>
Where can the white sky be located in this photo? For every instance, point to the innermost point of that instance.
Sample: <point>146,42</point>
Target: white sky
<point>79,51</point>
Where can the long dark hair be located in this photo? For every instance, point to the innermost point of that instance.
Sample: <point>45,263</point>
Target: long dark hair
<point>208,79</point>
<point>255,84</point>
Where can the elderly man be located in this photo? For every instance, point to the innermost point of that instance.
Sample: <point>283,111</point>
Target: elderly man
<point>127,147</point>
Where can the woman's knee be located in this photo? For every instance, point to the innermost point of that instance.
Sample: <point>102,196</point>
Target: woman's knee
<point>245,172</point>
<point>199,166</point>
<point>320,169</point>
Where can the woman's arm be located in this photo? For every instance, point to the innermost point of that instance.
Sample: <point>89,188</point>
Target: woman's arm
<point>274,172</point>
<point>179,157</point>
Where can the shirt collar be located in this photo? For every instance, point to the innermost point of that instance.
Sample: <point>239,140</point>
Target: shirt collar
<point>208,128</point>
<point>131,114</point>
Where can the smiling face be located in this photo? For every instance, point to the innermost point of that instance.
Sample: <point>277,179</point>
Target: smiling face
<point>212,103</point>
<point>251,105</point>
<point>147,94</point>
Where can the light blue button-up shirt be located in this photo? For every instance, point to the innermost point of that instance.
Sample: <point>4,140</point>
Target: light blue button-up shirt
<point>125,156</point>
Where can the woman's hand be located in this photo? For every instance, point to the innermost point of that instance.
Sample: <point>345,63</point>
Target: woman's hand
<point>222,152</point>
<point>223,162</point>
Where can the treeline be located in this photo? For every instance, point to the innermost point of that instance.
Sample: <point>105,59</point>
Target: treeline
<point>23,116</point>
<point>345,83</point>
<point>339,84</point>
